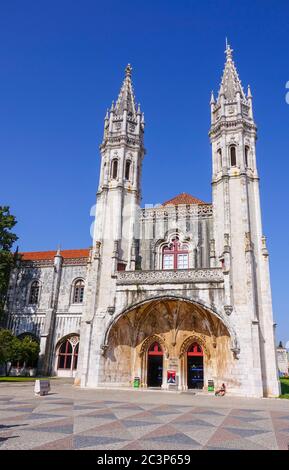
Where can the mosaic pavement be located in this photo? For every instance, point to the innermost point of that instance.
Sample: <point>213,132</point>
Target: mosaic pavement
<point>137,421</point>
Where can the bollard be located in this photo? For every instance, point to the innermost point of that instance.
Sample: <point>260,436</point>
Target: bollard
<point>41,387</point>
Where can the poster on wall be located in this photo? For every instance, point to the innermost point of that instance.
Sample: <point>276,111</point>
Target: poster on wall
<point>171,377</point>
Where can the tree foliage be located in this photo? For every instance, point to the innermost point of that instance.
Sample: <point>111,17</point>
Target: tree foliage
<point>15,350</point>
<point>7,259</point>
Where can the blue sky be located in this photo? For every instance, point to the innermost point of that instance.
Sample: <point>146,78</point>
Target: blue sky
<point>62,63</point>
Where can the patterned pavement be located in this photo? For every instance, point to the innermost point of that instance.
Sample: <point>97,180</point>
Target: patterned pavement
<point>73,419</point>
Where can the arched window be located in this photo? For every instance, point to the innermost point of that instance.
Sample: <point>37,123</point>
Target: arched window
<point>233,157</point>
<point>78,292</point>
<point>127,169</point>
<point>114,167</point>
<point>219,163</point>
<point>176,255</point>
<point>68,354</point>
<point>34,293</point>
<point>247,156</point>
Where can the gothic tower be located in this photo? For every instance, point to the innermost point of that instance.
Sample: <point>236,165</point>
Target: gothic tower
<point>118,199</point>
<point>238,237</point>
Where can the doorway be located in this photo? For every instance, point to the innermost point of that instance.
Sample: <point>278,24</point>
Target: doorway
<point>195,365</point>
<point>155,366</point>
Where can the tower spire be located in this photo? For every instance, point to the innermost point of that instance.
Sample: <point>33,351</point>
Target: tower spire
<point>126,99</point>
<point>230,83</point>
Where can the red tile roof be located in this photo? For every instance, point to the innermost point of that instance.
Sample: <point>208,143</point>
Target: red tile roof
<point>183,198</point>
<point>48,255</point>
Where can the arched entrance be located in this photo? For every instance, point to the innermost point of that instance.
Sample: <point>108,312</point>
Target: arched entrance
<point>155,365</point>
<point>195,366</point>
<point>67,356</point>
<point>129,348</point>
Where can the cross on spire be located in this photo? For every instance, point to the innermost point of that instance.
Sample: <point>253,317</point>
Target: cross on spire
<point>128,70</point>
<point>230,84</point>
<point>228,51</point>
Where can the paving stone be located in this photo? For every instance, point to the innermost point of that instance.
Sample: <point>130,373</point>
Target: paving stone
<point>74,418</point>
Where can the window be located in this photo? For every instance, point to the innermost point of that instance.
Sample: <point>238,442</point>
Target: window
<point>176,255</point>
<point>183,261</point>
<point>68,355</point>
<point>127,169</point>
<point>78,292</point>
<point>34,293</point>
<point>114,169</point>
<point>168,261</point>
<point>220,163</point>
<point>121,266</point>
<point>247,156</point>
<point>233,157</point>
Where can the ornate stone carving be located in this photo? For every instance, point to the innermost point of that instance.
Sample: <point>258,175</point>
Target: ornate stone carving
<point>150,340</point>
<point>264,247</point>
<point>170,276</point>
<point>194,338</point>
<point>103,349</point>
<point>236,352</point>
<point>74,340</point>
<point>212,248</point>
<point>248,242</point>
<point>228,309</point>
<point>111,309</point>
<point>182,210</point>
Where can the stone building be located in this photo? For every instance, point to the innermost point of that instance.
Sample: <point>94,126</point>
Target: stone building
<point>282,360</point>
<point>177,294</point>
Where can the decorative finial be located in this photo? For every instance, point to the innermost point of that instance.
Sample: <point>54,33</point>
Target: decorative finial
<point>249,94</point>
<point>128,70</point>
<point>112,107</point>
<point>212,98</point>
<point>228,50</point>
<point>58,252</point>
<point>221,89</point>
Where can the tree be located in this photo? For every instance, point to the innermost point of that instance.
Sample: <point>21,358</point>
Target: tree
<point>29,351</point>
<point>9,349</point>
<point>15,350</point>
<point>7,259</point>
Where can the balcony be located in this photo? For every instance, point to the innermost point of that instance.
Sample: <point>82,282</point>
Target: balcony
<point>170,276</point>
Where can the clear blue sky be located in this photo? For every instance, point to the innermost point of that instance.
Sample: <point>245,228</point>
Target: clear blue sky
<point>61,65</point>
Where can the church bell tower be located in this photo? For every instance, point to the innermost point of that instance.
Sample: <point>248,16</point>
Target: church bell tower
<point>238,236</point>
<point>114,248</point>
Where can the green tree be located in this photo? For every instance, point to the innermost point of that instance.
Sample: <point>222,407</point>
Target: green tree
<point>7,259</point>
<point>29,351</point>
<point>10,349</point>
<point>15,350</point>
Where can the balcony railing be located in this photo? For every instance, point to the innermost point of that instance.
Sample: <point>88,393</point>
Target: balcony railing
<point>170,276</point>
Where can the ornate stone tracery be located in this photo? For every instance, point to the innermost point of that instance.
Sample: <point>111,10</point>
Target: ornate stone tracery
<point>167,276</point>
<point>149,341</point>
<point>194,338</point>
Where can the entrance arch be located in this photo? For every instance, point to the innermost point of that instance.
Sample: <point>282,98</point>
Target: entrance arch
<point>155,365</point>
<point>129,348</point>
<point>195,366</point>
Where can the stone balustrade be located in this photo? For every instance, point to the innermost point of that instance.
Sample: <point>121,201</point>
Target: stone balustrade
<point>169,276</point>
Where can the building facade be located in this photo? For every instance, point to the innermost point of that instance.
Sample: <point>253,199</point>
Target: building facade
<point>172,296</point>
